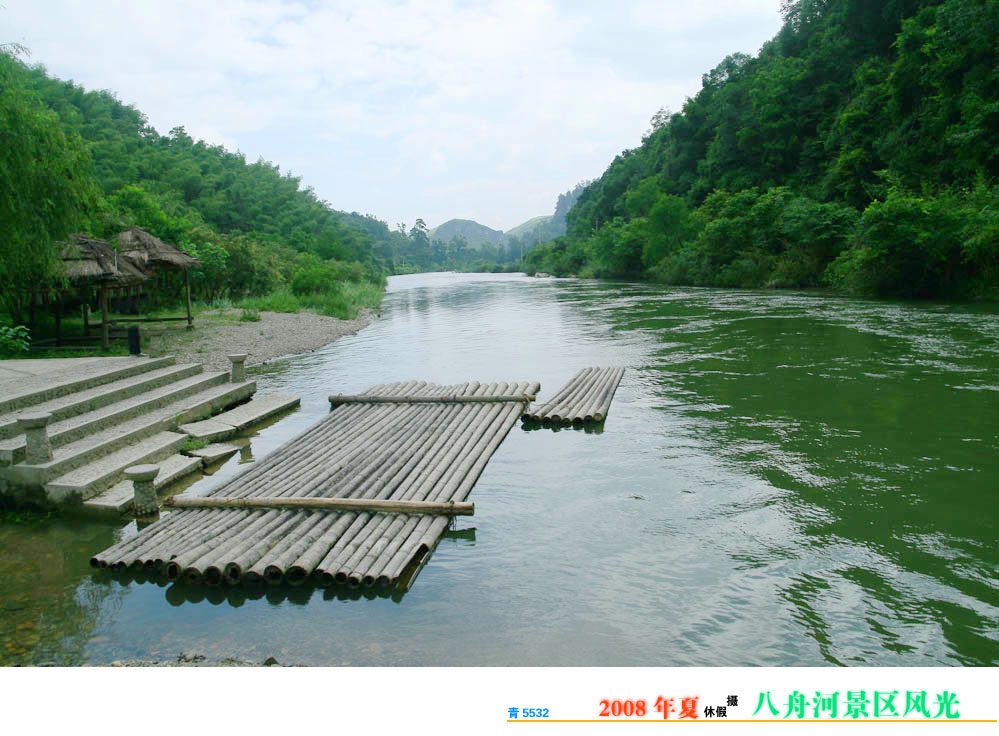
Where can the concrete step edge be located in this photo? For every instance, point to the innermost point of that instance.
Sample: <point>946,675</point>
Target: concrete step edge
<point>91,479</point>
<point>68,384</point>
<point>119,497</point>
<point>71,429</point>
<point>67,457</point>
<point>82,402</point>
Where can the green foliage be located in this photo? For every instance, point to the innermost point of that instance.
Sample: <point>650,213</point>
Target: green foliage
<point>191,444</point>
<point>280,300</point>
<point>859,149</point>
<point>46,189</point>
<point>249,315</point>
<point>930,246</point>
<point>14,339</point>
<point>249,223</point>
<point>26,517</point>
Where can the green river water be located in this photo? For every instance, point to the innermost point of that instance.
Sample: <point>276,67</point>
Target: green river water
<point>783,479</point>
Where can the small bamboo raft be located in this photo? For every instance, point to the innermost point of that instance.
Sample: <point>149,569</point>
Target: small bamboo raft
<point>585,398</point>
<point>362,497</point>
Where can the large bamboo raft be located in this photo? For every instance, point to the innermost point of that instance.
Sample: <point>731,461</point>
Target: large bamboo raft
<point>585,398</point>
<point>362,497</point>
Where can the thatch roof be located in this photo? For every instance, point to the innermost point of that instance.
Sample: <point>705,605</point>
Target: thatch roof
<point>149,252</point>
<point>91,261</point>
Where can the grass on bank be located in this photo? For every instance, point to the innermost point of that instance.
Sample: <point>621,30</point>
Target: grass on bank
<point>346,302</point>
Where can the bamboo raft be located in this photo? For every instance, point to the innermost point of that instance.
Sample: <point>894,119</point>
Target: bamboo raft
<point>585,398</point>
<point>361,498</point>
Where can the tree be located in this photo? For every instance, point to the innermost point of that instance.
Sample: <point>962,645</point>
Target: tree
<point>47,189</point>
<point>420,244</point>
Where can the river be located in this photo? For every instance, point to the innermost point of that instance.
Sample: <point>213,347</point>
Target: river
<point>785,478</point>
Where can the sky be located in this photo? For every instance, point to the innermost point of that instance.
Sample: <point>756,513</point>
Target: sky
<point>433,109</point>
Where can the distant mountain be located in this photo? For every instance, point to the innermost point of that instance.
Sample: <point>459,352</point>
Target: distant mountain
<point>473,233</point>
<point>548,227</point>
<point>525,228</point>
<point>524,236</point>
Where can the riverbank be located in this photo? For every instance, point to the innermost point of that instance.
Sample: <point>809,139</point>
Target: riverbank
<point>218,333</point>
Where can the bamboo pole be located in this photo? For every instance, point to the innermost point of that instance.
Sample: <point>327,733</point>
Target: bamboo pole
<point>144,544</point>
<point>234,569</point>
<point>581,385</point>
<point>601,412</point>
<point>189,524</point>
<point>304,458</point>
<point>378,487</point>
<point>325,504</point>
<point>180,565</point>
<point>539,411</point>
<point>102,559</point>
<point>356,526</point>
<point>329,565</point>
<point>338,399</point>
<point>264,571</point>
<point>578,397</point>
<point>579,409</point>
<point>301,478</point>
<point>307,443</point>
<point>479,464</point>
<point>481,420</point>
<point>584,411</point>
<point>259,569</point>
<point>213,523</point>
<point>214,568</point>
<point>216,557</point>
<point>559,413</point>
<point>455,481</point>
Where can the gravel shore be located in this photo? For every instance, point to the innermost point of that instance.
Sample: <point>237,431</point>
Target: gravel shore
<point>217,334</point>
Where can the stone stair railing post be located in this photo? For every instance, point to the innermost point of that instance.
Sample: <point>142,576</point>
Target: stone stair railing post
<point>142,476</point>
<point>238,367</point>
<point>38,448</point>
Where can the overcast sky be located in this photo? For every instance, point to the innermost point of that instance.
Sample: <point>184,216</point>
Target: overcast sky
<point>434,109</point>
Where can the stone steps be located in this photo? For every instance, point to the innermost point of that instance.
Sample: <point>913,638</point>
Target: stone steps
<point>108,414</point>
<point>227,424</point>
<point>89,449</point>
<point>82,402</point>
<point>37,389</point>
<point>118,498</point>
<point>97,476</point>
<point>77,427</point>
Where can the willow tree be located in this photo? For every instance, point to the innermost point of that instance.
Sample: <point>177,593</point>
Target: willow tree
<point>47,189</point>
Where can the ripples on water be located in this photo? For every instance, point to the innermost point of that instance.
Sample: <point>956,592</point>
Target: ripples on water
<point>784,479</point>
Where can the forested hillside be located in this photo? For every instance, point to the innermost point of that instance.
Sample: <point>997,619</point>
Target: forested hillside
<point>256,230</point>
<point>859,149</point>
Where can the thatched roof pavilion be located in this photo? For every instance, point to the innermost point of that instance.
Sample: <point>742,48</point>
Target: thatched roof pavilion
<point>89,262</point>
<point>92,262</point>
<point>149,252</point>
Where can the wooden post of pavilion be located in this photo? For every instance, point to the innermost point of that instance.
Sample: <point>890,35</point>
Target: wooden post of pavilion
<point>187,289</point>
<point>105,341</point>
<point>58,319</point>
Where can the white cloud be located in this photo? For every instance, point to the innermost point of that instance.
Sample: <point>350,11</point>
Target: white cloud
<point>429,109</point>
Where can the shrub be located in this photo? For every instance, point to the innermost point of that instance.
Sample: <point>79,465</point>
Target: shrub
<point>14,339</point>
